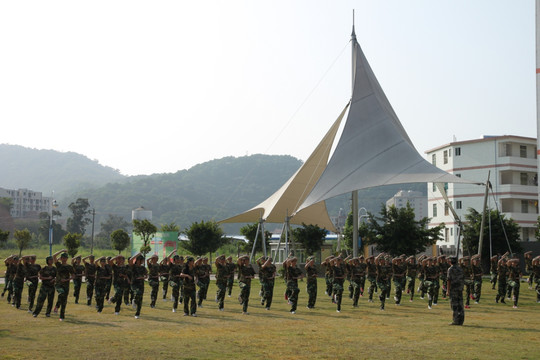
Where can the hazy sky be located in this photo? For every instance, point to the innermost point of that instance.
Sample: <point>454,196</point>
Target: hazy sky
<point>159,86</point>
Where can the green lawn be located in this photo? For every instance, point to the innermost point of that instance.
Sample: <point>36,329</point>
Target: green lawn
<point>411,331</point>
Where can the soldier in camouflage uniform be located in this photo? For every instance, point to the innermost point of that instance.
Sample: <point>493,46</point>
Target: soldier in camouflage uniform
<point>164,269</point>
<point>311,281</point>
<point>175,279</point>
<point>399,270</point>
<point>203,275</point>
<point>467,273</point>
<point>412,271</point>
<point>431,273</point>
<point>222,275</point>
<point>32,279</point>
<point>138,275</point>
<point>64,275</point>
<point>153,278</point>
<point>268,273</point>
<point>454,289</point>
<point>245,274</point>
<point>78,268</point>
<point>536,271</point>
<point>188,276</point>
<point>90,276</point>
<point>444,265</point>
<point>120,281</point>
<point>103,275</point>
<point>10,274</point>
<point>477,274</point>
<point>514,277</point>
<point>371,275</point>
<point>230,282</point>
<point>338,275</point>
<point>292,282</point>
<point>502,274</point>
<point>47,274</point>
<point>328,275</point>
<point>18,280</point>
<point>493,274</point>
<point>527,256</point>
<point>384,274</point>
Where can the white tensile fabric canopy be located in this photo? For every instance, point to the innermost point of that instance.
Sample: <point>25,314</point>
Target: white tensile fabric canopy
<point>374,148</point>
<point>286,200</point>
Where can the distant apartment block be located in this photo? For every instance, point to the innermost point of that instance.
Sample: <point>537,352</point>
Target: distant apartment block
<point>26,203</point>
<point>511,161</point>
<point>416,200</point>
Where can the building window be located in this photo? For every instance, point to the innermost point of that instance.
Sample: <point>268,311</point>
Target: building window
<point>434,210</point>
<point>446,210</point>
<point>458,204</point>
<point>522,151</point>
<point>434,159</point>
<point>458,175</point>
<point>451,231</point>
<point>457,151</point>
<point>445,157</point>
<point>524,179</point>
<point>524,206</point>
<point>446,235</point>
<point>508,149</point>
<point>433,187</point>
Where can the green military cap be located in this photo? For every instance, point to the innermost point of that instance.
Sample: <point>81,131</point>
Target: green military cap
<point>190,258</point>
<point>176,257</point>
<point>64,255</point>
<point>154,256</point>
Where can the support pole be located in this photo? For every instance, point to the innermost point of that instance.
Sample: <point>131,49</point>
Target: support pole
<point>355,222</point>
<point>481,237</point>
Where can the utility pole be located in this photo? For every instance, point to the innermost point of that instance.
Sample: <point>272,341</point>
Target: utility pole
<point>92,243</point>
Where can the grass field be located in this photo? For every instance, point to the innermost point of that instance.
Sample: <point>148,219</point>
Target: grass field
<point>411,331</point>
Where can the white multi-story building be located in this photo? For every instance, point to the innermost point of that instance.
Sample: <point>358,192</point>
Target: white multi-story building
<point>416,200</point>
<point>26,203</point>
<point>512,167</point>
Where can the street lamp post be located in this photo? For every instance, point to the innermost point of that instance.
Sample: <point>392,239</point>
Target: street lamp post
<point>54,205</point>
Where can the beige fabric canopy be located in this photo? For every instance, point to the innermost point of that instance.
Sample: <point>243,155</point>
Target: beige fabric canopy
<point>286,200</point>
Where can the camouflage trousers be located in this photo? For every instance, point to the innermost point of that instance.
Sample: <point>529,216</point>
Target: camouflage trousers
<point>514,286</point>
<point>357,290</point>
<point>456,304</point>
<point>245,290</point>
<point>411,280</point>
<point>372,286</point>
<point>493,279</point>
<point>165,285</point>
<point>432,287</point>
<point>138,293</point>
<point>292,287</point>
<point>63,293</point>
<point>203,289</point>
<point>221,290</point>
<point>18,286</point>
<point>329,286</point>
<point>399,284</point>
<point>268,292</point>
<point>468,290</point>
<point>230,283</point>
<point>45,293</point>
<point>120,291</point>
<point>77,282</point>
<point>89,290</point>
<point>9,289</point>
<point>190,304</point>
<point>32,289</point>
<point>100,290</point>
<point>154,285</point>
<point>537,288</point>
<point>311,290</point>
<point>385,291</point>
<point>338,292</point>
<point>477,289</point>
<point>443,281</point>
<point>175,290</point>
<point>501,290</point>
